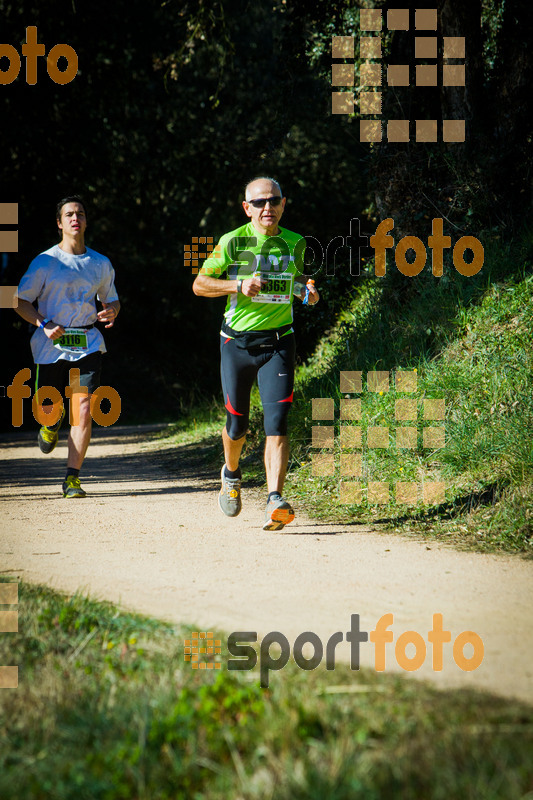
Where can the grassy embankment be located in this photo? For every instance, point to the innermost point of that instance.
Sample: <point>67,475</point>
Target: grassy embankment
<point>107,708</point>
<point>470,341</point>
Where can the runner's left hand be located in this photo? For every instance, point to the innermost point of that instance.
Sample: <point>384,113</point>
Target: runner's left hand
<point>108,314</point>
<point>314,297</point>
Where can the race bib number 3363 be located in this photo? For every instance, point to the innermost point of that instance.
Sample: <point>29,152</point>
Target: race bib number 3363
<point>276,287</point>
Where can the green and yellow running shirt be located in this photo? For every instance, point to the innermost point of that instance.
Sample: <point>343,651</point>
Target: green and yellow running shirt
<point>278,259</point>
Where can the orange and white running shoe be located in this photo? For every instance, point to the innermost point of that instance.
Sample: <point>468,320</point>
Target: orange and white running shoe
<point>279,513</point>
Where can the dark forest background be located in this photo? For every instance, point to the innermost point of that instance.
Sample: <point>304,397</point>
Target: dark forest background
<point>177,105</point>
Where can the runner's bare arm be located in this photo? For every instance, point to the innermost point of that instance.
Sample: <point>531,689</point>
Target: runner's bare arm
<point>205,286</point>
<point>28,312</point>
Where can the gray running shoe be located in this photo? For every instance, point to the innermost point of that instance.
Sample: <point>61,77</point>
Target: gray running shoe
<point>229,498</point>
<point>279,513</point>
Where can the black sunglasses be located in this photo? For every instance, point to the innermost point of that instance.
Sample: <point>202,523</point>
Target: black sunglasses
<point>261,203</point>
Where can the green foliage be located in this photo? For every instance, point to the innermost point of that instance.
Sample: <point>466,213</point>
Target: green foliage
<point>477,358</point>
<point>135,721</point>
<point>491,20</point>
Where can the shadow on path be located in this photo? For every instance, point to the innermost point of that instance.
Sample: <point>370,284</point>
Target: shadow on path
<point>145,472</point>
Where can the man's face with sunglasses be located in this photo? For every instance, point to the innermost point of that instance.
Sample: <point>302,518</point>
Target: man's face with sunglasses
<point>264,206</point>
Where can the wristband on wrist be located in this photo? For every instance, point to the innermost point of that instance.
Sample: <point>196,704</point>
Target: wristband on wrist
<point>239,287</point>
<point>43,323</point>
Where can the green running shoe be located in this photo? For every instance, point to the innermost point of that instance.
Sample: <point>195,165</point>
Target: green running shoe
<point>47,438</point>
<point>72,488</point>
<point>229,498</point>
<point>279,513</point>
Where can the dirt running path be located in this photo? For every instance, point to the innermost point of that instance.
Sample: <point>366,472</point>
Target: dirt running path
<point>158,544</point>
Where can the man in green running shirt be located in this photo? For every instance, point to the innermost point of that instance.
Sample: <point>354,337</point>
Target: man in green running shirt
<point>259,267</point>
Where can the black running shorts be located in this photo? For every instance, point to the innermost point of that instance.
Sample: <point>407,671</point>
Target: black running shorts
<point>57,374</point>
<point>273,367</point>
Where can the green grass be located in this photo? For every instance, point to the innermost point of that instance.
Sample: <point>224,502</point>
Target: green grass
<point>484,373</point>
<point>200,422</point>
<point>107,708</point>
